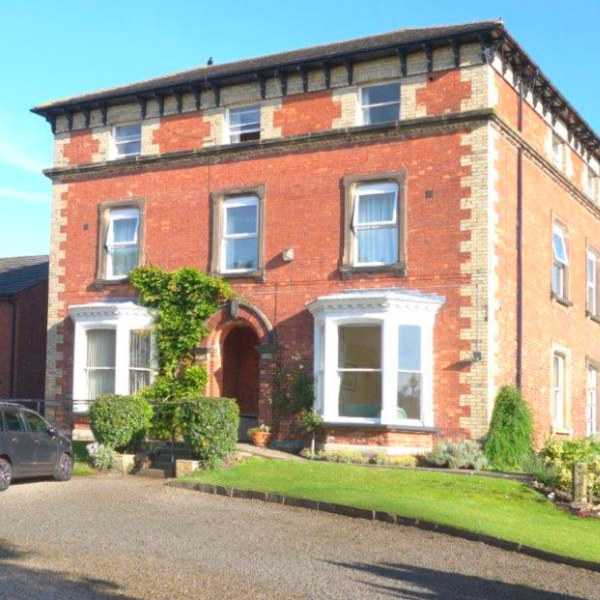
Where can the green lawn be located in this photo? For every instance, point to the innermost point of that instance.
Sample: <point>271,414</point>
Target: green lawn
<point>502,508</point>
<point>82,466</point>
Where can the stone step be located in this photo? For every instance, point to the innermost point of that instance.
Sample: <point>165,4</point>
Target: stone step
<point>155,473</point>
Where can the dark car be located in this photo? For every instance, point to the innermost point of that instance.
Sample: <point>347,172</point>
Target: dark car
<point>31,447</point>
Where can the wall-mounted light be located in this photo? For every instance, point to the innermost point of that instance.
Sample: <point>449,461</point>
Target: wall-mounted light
<point>288,255</point>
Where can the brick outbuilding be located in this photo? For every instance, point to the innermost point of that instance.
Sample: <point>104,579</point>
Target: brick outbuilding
<point>413,217</point>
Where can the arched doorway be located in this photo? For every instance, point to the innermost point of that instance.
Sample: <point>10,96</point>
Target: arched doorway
<point>241,366</point>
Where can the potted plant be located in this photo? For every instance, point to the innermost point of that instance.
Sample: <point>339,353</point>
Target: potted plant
<point>260,435</point>
<point>309,421</point>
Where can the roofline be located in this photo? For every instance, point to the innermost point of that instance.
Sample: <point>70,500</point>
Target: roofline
<point>490,34</point>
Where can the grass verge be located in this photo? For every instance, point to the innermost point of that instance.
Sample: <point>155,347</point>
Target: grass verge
<point>503,508</point>
<point>82,467</point>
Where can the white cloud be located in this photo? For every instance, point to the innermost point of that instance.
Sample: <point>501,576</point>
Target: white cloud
<point>14,157</point>
<point>8,193</point>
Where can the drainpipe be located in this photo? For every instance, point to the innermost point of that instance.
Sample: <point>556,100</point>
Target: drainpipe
<point>519,315</point>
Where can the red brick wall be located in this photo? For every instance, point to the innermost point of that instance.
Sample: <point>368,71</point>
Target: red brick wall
<point>181,132</point>
<point>545,321</point>
<point>304,203</point>
<point>444,92</point>
<point>307,113</point>
<point>81,147</point>
<point>30,349</point>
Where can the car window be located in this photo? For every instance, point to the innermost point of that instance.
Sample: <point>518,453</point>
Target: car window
<point>1,422</point>
<point>36,423</point>
<point>14,421</point>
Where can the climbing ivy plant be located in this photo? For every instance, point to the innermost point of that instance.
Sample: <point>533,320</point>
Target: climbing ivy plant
<point>182,301</point>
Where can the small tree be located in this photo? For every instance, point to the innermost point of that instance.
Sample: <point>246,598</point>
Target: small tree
<point>310,421</point>
<point>508,444</point>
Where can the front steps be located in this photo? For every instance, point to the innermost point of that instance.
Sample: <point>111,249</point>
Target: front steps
<point>162,465</point>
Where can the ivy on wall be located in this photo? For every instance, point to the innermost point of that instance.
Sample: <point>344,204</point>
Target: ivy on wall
<point>182,301</point>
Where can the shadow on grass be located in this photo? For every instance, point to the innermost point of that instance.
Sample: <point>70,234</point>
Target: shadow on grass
<point>417,583</point>
<point>21,582</point>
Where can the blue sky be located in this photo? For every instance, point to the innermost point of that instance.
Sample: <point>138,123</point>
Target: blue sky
<point>55,48</point>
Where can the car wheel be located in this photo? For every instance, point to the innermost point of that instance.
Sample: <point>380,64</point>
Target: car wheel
<point>64,468</point>
<point>5,474</point>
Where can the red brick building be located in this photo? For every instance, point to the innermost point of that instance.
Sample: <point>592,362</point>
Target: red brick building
<point>23,319</point>
<point>413,216</point>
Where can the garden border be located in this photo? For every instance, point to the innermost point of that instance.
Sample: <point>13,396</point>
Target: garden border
<point>376,515</point>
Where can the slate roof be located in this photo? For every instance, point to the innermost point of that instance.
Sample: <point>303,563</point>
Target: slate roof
<point>357,46</point>
<point>20,272</point>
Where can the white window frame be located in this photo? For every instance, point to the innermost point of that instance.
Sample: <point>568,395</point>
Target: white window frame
<point>557,151</point>
<point>228,133</point>
<point>560,392</point>
<point>364,189</point>
<point>123,317</point>
<point>590,182</point>
<point>87,368</point>
<point>116,214</point>
<point>591,285</point>
<point>390,310</point>
<point>560,264</point>
<point>237,202</point>
<point>114,144</point>
<point>360,114</point>
<point>592,400</point>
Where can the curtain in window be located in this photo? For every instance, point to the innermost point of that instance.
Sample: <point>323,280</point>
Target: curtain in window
<point>409,372</point>
<point>376,229</point>
<point>101,362</point>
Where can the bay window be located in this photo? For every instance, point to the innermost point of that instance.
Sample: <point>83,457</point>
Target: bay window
<point>374,358</point>
<point>113,350</point>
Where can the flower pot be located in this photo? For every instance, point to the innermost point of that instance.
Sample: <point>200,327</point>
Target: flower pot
<point>261,438</point>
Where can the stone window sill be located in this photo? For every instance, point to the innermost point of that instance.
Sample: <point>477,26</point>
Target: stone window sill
<point>257,275</point>
<point>560,300</point>
<point>380,427</point>
<point>592,317</point>
<point>562,430</point>
<point>102,283</point>
<point>350,271</point>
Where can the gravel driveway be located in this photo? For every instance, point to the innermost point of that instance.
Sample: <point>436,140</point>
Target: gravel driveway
<point>102,538</point>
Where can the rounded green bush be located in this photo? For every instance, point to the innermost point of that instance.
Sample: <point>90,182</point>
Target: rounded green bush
<point>508,444</point>
<point>210,428</point>
<point>120,422</point>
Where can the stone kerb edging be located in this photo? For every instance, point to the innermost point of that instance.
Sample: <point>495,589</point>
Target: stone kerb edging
<point>376,515</point>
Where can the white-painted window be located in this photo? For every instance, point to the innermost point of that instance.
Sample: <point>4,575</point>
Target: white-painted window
<point>127,140</point>
<point>379,103</point>
<point>592,283</point>
<point>140,359</point>
<point>239,246</point>
<point>591,179</point>
<point>113,350</point>
<point>377,362</point>
<point>557,151</point>
<point>359,371</point>
<point>244,123</point>
<point>592,401</point>
<point>100,362</point>
<point>558,390</point>
<point>122,243</point>
<point>375,224</point>
<point>560,263</point>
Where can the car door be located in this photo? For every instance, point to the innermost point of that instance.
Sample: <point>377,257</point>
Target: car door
<point>20,445</point>
<point>44,443</point>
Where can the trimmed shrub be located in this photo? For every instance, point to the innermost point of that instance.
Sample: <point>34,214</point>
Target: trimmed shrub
<point>120,422</point>
<point>464,454</point>
<point>561,456</point>
<point>508,444</point>
<point>400,460</point>
<point>210,428</point>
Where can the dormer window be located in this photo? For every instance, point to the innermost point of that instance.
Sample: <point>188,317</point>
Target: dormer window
<point>127,140</point>
<point>380,103</point>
